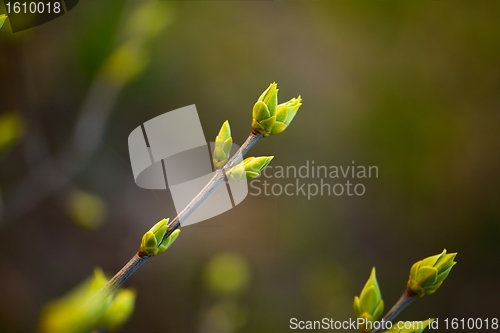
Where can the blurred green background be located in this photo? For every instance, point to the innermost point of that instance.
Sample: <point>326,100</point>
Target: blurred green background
<point>409,86</point>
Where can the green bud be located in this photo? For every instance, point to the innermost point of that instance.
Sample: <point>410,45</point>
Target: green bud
<point>264,111</point>
<point>409,327</point>
<point>3,17</point>
<point>236,173</point>
<point>151,241</point>
<point>270,97</point>
<point>427,275</point>
<point>120,310</point>
<point>285,114</point>
<point>169,241</point>
<point>249,169</point>
<point>369,305</point>
<point>223,143</point>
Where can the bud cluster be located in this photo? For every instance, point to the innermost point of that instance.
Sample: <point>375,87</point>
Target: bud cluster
<point>152,244</point>
<point>270,118</point>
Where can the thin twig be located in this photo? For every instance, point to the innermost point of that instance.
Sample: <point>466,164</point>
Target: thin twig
<point>216,180</point>
<point>406,299</point>
<point>125,272</point>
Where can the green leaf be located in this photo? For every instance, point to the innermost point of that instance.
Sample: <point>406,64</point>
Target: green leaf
<point>285,114</point>
<point>252,175</point>
<point>260,111</point>
<point>3,17</point>
<point>357,307</point>
<point>445,262</point>
<point>158,226</point>
<point>12,129</point>
<point>223,144</point>
<point>270,98</point>
<point>224,132</point>
<point>169,241</point>
<point>426,276</point>
<point>282,113</point>
<point>278,128</point>
<point>257,164</point>
<point>236,173</point>
<point>149,240</point>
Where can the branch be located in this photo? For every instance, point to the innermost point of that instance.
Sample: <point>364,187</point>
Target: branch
<point>216,180</point>
<point>406,299</point>
<point>125,273</point>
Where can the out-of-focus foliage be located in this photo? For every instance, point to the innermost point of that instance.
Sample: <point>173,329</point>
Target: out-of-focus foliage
<point>120,310</point>
<point>227,273</point>
<point>87,307</point>
<point>227,277</point>
<point>78,311</point>
<point>86,209</point>
<point>3,17</point>
<point>125,63</point>
<point>225,316</point>
<point>12,129</point>
<point>130,58</point>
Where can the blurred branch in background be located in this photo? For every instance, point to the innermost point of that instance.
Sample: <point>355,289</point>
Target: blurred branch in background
<point>50,174</point>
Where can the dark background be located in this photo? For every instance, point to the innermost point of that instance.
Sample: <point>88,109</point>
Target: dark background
<point>409,86</point>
